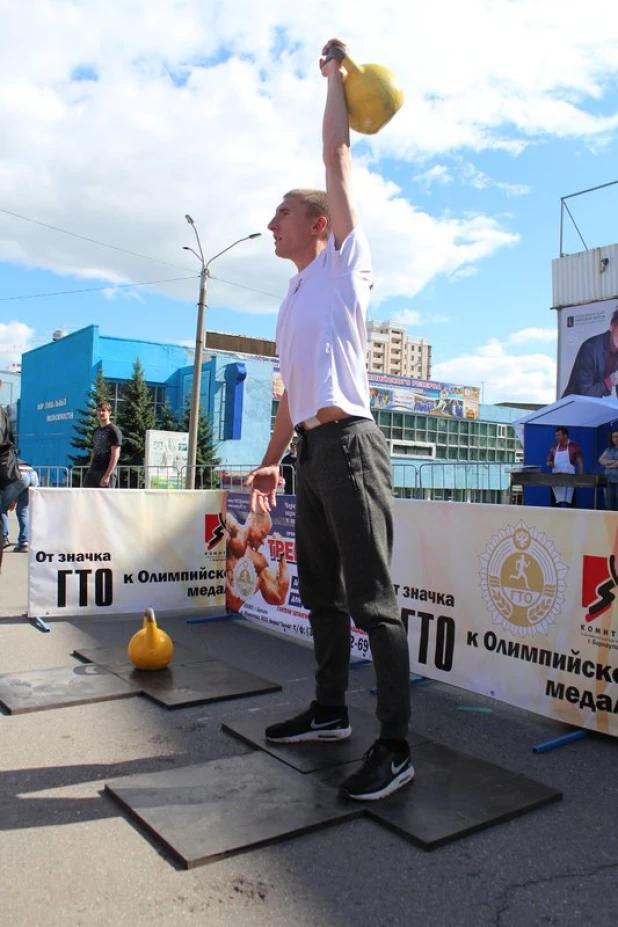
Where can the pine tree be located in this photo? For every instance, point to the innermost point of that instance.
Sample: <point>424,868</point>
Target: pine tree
<point>206,451</point>
<point>135,416</point>
<point>86,420</point>
<point>167,420</point>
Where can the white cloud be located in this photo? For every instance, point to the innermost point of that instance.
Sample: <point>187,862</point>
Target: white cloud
<point>526,335</point>
<point>502,374</point>
<point>412,318</point>
<point>481,181</point>
<point>438,174</point>
<point>215,109</point>
<point>408,317</point>
<point>463,272</point>
<point>15,338</point>
<point>410,248</point>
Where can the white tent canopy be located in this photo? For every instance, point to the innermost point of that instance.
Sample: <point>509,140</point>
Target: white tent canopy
<point>571,411</point>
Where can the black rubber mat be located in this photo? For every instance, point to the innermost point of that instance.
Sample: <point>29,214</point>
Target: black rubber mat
<point>309,757</point>
<point>181,686</point>
<point>205,812</point>
<point>39,690</point>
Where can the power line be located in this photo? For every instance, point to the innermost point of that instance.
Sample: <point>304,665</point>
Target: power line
<point>96,289</point>
<point>104,244</point>
<point>92,241</point>
<point>242,287</point>
<point>118,286</point>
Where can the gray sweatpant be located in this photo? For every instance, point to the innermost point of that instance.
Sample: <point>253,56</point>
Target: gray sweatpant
<point>344,539</point>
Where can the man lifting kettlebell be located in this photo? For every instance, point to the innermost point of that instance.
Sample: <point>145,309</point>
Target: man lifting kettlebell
<point>344,525</point>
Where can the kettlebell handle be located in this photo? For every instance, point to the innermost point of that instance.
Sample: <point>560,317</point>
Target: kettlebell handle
<point>337,53</point>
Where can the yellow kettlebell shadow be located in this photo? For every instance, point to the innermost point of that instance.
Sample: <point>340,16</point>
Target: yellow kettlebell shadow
<point>151,648</point>
<point>372,95</point>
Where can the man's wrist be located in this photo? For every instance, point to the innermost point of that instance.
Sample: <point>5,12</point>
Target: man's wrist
<point>336,75</point>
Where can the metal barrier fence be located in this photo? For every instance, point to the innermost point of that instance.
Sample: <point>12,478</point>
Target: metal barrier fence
<point>53,476</point>
<point>463,481</point>
<point>206,477</point>
<point>459,481</point>
<point>217,478</point>
<point>139,477</point>
<point>405,480</point>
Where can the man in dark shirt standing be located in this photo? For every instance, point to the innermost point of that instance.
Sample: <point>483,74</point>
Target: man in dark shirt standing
<point>288,469</point>
<point>106,441</point>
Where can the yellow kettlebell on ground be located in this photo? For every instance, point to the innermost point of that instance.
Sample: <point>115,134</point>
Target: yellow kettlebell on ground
<point>372,93</point>
<point>151,648</point>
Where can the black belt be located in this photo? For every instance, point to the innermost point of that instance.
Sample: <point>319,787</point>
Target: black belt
<point>301,431</point>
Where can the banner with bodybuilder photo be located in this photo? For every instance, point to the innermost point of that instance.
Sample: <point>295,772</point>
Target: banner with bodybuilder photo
<point>588,349</point>
<point>517,603</point>
<point>261,575</point>
<point>101,551</point>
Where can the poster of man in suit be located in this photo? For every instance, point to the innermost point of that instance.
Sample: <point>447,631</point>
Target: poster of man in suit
<point>588,350</point>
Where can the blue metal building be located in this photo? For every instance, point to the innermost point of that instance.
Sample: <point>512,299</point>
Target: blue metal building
<point>56,377</point>
<point>435,456</point>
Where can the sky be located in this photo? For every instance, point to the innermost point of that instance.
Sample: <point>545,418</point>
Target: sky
<point>118,119</point>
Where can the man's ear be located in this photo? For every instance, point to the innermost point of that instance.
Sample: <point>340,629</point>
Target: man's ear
<point>319,226</point>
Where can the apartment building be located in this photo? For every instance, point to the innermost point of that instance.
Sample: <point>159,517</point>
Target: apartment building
<point>391,351</point>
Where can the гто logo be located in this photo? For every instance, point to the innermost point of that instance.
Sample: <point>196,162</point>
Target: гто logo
<point>522,580</point>
<point>245,578</point>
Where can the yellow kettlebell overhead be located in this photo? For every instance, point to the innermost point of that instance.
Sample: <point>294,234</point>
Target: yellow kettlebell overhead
<point>372,93</point>
<point>151,648</point>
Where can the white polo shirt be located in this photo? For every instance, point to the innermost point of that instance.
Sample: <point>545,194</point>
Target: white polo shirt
<point>321,334</point>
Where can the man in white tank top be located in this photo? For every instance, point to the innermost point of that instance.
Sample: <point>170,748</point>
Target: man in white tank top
<point>344,525</point>
<point>564,456</point>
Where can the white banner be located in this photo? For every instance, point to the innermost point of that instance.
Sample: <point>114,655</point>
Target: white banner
<point>95,551</point>
<point>514,602</point>
<point>262,579</point>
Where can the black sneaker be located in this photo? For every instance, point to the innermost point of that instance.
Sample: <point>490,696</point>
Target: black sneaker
<point>384,770</point>
<point>315,724</point>
<point>6,543</point>
<point>20,549</point>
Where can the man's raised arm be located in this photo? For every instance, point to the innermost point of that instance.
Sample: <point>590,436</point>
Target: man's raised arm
<point>336,144</point>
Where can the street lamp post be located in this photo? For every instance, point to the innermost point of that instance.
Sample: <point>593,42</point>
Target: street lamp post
<point>194,414</point>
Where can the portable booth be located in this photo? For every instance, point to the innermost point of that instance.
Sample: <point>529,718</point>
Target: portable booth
<point>589,421</point>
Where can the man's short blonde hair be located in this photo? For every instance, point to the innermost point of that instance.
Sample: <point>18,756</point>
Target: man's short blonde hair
<point>315,202</point>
